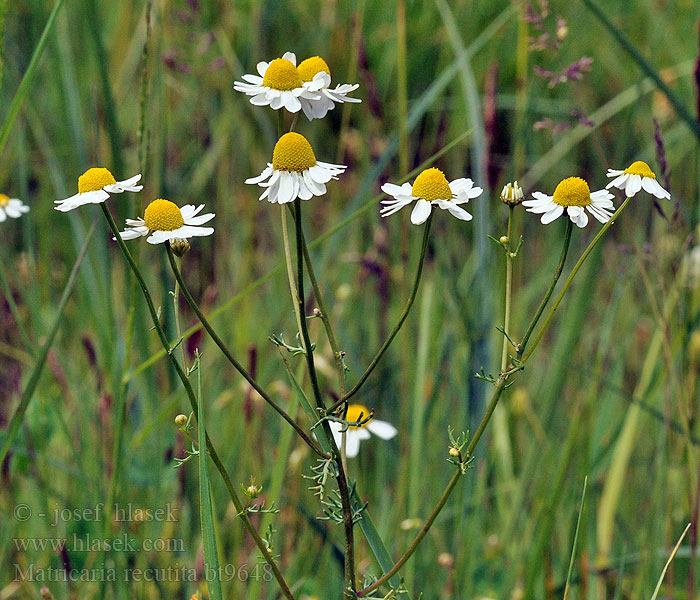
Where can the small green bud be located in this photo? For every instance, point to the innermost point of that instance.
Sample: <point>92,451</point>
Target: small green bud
<point>454,452</point>
<point>503,239</point>
<point>180,246</point>
<point>181,420</point>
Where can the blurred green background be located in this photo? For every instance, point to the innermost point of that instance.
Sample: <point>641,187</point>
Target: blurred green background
<point>610,394</point>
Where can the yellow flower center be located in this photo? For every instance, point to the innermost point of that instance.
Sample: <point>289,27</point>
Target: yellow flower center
<point>293,153</point>
<point>640,168</point>
<point>572,191</point>
<point>432,185</point>
<point>357,413</point>
<point>281,74</point>
<point>4,200</point>
<point>311,66</point>
<point>95,179</point>
<point>163,215</point>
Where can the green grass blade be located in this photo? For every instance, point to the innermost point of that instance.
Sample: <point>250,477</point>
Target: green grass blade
<point>21,409</point>
<point>206,508</point>
<point>377,545</point>
<point>668,562</point>
<point>645,66</point>
<point>573,549</point>
<point>23,88</point>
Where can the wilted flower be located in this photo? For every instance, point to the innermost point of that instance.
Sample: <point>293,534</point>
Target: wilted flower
<point>636,177</point>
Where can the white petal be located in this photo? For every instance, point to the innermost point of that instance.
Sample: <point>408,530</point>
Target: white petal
<point>382,429</point>
<point>352,443</point>
<point>286,188</point>
<point>291,57</point>
<point>618,182</point>
<point>454,210</point>
<point>578,215</point>
<point>634,184</point>
<point>552,214</point>
<point>200,220</point>
<point>421,212</point>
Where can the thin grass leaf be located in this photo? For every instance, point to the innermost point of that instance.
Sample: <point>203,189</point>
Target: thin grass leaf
<point>573,549</point>
<point>645,66</point>
<point>23,88</point>
<point>206,508</point>
<point>21,409</point>
<point>668,562</point>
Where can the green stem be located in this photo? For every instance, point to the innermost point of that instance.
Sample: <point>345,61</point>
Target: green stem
<point>550,290</point>
<point>571,276</point>
<point>259,542</point>
<point>7,290</point>
<point>400,322</point>
<point>176,304</point>
<point>229,356</point>
<point>445,494</point>
<point>350,586</point>
<point>508,292</point>
<point>325,318</point>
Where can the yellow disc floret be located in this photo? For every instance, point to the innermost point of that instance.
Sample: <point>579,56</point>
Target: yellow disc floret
<point>95,179</point>
<point>293,153</point>
<point>281,74</point>
<point>311,66</point>
<point>4,200</point>
<point>163,215</point>
<point>640,168</point>
<point>572,191</point>
<point>357,413</point>
<point>431,185</point>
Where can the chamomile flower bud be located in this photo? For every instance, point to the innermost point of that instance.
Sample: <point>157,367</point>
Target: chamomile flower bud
<point>95,186</point>
<point>573,196</point>
<point>180,246</point>
<point>638,176</point>
<point>11,207</point>
<point>430,188</point>
<point>181,420</point>
<point>454,452</point>
<point>512,194</point>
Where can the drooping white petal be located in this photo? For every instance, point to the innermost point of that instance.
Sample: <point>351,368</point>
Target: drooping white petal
<point>421,212</point>
<point>578,215</point>
<point>552,214</point>
<point>455,211</point>
<point>633,185</point>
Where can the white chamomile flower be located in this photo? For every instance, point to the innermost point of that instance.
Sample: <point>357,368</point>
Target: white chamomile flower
<point>294,172</point>
<point>11,207</point>
<point>316,78</point>
<point>95,186</point>
<point>278,84</point>
<point>164,221</point>
<point>636,177</point>
<point>430,187</point>
<point>573,195</point>
<point>354,435</point>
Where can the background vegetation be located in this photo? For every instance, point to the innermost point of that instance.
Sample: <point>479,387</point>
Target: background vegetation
<point>611,393</point>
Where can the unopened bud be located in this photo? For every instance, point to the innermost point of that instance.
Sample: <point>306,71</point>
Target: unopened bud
<point>512,194</point>
<point>180,246</point>
<point>503,239</point>
<point>181,420</point>
<point>454,452</point>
